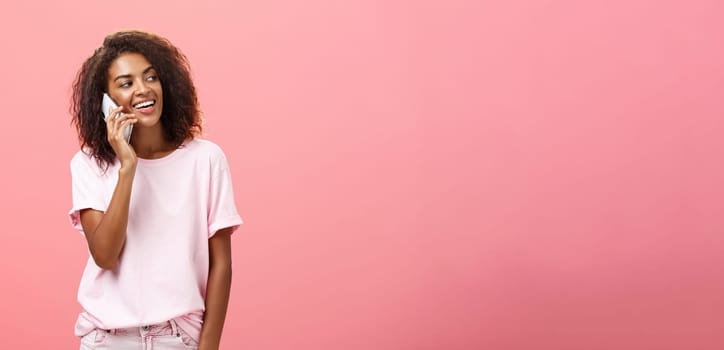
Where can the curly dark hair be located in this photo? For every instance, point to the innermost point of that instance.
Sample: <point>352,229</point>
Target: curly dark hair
<point>181,116</point>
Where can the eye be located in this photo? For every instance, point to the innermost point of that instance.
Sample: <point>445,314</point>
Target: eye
<point>125,84</point>
<point>152,78</point>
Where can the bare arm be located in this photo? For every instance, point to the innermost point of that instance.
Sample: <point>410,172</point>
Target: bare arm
<point>217,289</point>
<point>106,232</point>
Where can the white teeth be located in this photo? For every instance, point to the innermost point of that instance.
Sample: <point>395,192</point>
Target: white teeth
<point>144,104</point>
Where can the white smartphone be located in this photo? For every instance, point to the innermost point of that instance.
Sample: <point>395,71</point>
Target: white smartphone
<point>106,106</point>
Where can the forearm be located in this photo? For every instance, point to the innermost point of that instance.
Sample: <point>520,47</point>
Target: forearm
<point>217,300</point>
<point>109,235</point>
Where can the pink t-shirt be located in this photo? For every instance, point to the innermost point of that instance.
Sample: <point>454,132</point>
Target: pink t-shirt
<point>177,203</point>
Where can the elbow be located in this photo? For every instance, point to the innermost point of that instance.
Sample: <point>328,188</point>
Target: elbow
<point>105,262</point>
<point>224,267</point>
<point>221,269</point>
<point>105,256</point>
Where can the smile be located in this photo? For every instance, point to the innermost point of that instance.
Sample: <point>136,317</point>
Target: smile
<point>144,104</point>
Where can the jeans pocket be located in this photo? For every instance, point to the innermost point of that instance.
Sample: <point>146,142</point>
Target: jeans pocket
<point>187,340</point>
<point>94,339</point>
<point>176,341</point>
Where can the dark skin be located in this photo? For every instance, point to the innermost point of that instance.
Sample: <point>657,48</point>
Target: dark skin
<point>218,289</point>
<point>132,80</point>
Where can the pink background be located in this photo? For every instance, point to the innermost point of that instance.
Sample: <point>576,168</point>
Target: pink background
<point>413,174</point>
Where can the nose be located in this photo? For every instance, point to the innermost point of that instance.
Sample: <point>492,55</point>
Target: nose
<point>141,87</point>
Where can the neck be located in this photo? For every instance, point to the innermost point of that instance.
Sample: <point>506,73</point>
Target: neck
<point>149,143</point>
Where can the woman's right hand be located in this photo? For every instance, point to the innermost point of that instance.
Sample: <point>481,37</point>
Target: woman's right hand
<point>115,128</point>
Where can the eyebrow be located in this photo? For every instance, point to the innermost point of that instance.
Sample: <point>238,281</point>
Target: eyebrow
<point>128,75</point>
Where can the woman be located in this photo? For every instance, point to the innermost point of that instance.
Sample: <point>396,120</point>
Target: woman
<point>157,211</point>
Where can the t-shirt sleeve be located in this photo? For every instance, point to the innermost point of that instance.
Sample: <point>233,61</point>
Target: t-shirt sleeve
<point>87,188</point>
<point>222,209</point>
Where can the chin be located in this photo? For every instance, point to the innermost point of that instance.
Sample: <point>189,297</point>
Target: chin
<point>148,122</point>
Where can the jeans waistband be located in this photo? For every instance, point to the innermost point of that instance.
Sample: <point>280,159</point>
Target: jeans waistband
<point>164,328</point>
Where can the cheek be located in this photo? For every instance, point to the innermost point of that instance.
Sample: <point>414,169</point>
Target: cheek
<point>119,96</point>
<point>125,100</point>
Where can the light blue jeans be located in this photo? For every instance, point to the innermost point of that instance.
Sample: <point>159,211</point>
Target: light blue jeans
<point>162,336</point>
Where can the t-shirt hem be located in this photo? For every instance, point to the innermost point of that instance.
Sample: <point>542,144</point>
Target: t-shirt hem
<point>74,214</point>
<point>233,221</point>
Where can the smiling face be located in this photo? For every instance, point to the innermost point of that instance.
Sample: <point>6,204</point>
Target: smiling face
<point>134,85</point>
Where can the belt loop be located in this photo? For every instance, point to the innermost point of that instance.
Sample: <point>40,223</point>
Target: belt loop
<point>173,327</point>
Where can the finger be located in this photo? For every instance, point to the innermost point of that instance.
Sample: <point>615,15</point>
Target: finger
<point>116,126</point>
<point>111,123</point>
<point>123,124</point>
<point>122,117</point>
<point>113,113</point>
<point>126,123</point>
